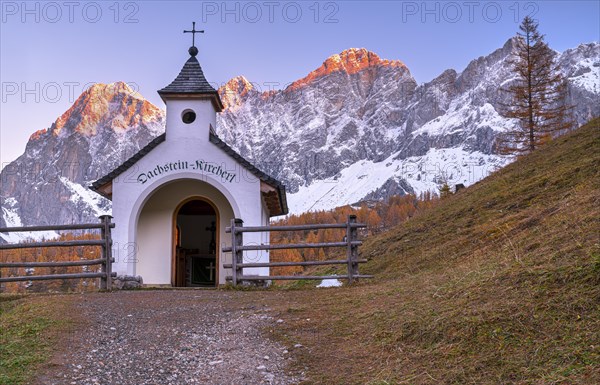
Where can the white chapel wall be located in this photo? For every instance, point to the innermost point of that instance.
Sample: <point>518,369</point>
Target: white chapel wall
<point>146,195</point>
<point>205,116</point>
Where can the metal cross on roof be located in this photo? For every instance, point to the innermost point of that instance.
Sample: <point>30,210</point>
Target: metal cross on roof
<point>193,32</point>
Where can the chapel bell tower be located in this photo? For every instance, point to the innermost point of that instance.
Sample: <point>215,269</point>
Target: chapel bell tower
<point>192,103</point>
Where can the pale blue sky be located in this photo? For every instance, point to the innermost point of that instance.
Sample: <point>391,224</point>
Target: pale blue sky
<point>62,46</point>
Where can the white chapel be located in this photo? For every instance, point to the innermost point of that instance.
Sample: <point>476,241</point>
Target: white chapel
<point>173,199</point>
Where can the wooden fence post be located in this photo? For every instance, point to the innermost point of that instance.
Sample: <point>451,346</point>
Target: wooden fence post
<point>238,255</point>
<point>233,254</point>
<point>354,246</point>
<point>105,231</point>
<point>350,249</point>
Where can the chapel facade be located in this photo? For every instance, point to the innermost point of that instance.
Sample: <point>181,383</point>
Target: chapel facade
<point>173,199</point>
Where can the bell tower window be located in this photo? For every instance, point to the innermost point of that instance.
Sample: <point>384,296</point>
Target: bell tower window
<point>188,116</point>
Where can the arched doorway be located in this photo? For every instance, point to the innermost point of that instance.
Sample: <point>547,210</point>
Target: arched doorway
<point>196,237</point>
<point>154,224</point>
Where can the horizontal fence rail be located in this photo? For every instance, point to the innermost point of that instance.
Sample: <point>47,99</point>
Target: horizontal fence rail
<point>299,277</point>
<point>89,262</point>
<point>82,226</point>
<point>258,229</point>
<point>33,245</point>
<point>283,264</point>
<point>237,249</point>
<point>105,242</point>
<point>285,246</point>
<point>55,276</point>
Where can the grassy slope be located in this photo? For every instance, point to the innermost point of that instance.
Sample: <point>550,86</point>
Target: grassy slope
<point>498,284</point>
<point>29,329</point>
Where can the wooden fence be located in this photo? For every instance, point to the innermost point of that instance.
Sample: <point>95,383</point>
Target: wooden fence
<point>105,242</point>
<point>237,249</point>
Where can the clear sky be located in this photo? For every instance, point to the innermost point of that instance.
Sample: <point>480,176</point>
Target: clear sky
<point>51,51</point>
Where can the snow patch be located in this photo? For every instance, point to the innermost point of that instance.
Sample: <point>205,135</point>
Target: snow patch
<point>422,173</point>
<point>12,202</point>
<point>330,283</point>
<point>12,219</point>
<point>589,80</point>
<point>461,114</point>
<point>86,196</point>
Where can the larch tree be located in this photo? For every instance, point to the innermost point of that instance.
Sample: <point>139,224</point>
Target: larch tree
<point>537,94</point>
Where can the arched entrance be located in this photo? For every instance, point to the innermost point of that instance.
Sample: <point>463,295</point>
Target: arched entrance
<point>154,229</point>
<point>195,262</point>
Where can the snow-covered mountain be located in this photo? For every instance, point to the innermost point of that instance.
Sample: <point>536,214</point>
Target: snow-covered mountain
<point>48,183</point>
<point>358,127</point>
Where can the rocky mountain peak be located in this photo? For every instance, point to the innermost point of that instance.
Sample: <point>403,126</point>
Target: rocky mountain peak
<point>360,128</point>
<point>350,61</point>
<point>354,60</point>
<point>233,92</point>
<point>38,134</point>
<point>115,106</point>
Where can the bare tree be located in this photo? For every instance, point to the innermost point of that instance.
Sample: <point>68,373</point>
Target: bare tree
<point>538,94</point>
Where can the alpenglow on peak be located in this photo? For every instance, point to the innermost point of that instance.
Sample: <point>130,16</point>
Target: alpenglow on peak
<point>350,61</point>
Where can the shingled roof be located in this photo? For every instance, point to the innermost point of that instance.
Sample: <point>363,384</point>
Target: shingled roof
<point>278,194</point>
<point>191,81</point>
<point>276,199</point>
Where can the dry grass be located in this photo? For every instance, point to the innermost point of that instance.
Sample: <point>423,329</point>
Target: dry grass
<point>498,284</point>
<point>30,326</point>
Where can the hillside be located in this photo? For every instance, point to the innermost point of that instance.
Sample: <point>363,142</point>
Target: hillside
<point>499,283</point>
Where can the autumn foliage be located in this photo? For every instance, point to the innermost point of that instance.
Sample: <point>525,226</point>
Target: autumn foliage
<point>378,216</point>
<point>53,254</point>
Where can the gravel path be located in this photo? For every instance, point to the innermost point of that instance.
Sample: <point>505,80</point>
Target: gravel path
<point>170,337</point>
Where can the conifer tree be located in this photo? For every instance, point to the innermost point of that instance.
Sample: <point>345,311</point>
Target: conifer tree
<point>537,95</point>
<point>445,191</point>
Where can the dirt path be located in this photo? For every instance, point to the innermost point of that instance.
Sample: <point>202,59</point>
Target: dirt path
<point>170,337</point>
